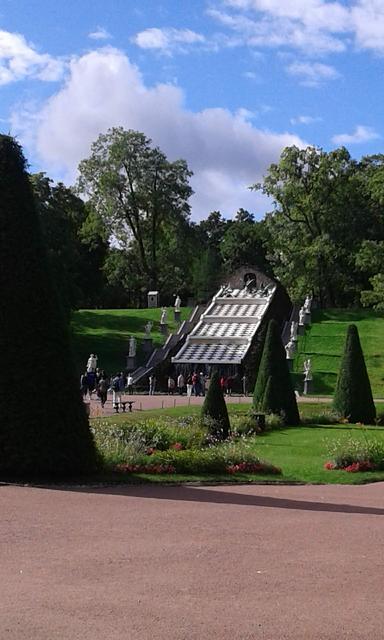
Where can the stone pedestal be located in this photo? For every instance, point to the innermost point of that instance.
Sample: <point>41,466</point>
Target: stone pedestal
<point>301,330</point>
<point>164,328</point>
<point>307,318</point>
<point>307,387</point>
<point>177,316</point>
<point>130,363</point>
<point>147,345</point>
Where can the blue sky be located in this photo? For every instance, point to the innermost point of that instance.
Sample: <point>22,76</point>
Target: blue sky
<point>225,84</point>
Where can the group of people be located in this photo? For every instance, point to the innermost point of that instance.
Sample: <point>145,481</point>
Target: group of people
<point>192,384</point>
<point>95,380</point>
<point>226,385</point>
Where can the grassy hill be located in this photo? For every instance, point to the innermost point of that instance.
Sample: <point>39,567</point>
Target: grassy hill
<point>106,332</point>
<point>323,343</point>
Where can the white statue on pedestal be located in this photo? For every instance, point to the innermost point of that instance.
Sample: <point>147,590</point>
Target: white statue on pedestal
<point>132,347</point>
<point>294,326</point>
<point>92,363</point>
<point>307,370</point>
<point>302,316</point>
<point>163,318</point>
<point>148,328</point>
<point>177,304</point>
<point>290,350</point>
<point>307,304</point>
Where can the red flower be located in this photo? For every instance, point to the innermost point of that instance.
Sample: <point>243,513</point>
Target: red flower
<point>177,446</point>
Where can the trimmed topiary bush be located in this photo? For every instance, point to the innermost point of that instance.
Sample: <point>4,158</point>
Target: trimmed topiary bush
<point>44,429</point>
<point>270,400</point>
<point>353,395</point>
<point>273,390</point>
<point>214,407</point>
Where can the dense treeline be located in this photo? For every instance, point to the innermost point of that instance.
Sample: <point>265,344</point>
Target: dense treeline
<point>126,228</point>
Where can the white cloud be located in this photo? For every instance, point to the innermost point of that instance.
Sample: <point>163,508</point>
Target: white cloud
<point>251,75</point>
<point>167,40</point>
<point>19,60</point>
<point>100,33</point>
<point>305,120</point>
<point>312,74</point>
<point>275,29</point>
<point>314,26</point>
<point>368,20</point>
<point>103,89</point>
<point>360,135</point>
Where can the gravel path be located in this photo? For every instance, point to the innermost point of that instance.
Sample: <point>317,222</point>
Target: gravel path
<point>192,563</point>
<point>159,401</point>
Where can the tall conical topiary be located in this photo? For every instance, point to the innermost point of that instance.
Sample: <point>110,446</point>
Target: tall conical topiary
<point>44,429</point>
<point>274,366</point>
<point>269,403</point>
<point>353,395</point>
<point>214,407</point>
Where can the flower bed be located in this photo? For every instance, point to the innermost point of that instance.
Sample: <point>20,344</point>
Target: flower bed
<point>354,455</point>
<point>145,468</point>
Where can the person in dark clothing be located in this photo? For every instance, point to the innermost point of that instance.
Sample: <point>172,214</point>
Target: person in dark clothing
<point>102,390</point>
<point>84,385</point>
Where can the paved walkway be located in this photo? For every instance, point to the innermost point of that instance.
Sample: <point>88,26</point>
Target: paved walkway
<point>158,401</point>
<point>192,563</point>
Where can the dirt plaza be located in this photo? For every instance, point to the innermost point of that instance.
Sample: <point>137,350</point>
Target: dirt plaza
<point>191,562</point>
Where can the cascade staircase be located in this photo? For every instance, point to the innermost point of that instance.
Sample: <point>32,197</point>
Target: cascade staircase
<point>226,329</point>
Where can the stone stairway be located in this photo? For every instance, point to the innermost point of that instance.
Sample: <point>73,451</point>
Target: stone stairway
<point>174,340</point>
<point>226,329</point>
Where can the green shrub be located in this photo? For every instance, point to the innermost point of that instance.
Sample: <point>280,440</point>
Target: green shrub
<point>273,391</point>
<point>353,395</point>
<point>44,429</point>
<point>345,453</point>
<point>212,460</point>
<point>274,421</point>
<point>215,408</point>
<point>326,417</point>
<point>113,439</point>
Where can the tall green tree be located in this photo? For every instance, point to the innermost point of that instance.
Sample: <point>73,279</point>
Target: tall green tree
<point>138,192</point>
<point>76,242</point>
<point>321,215</point>
<point>370,260</point>
<point>43,426</point>
<point>244,243</point>
<point>353,395</point>
<point>273,390</point>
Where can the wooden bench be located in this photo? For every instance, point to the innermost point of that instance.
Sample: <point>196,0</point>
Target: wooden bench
<point>124,404</point>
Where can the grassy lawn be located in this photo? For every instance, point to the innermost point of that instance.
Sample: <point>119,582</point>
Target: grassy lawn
<point>300,451</point>
<point>106,332</point>
<point>324,340</point>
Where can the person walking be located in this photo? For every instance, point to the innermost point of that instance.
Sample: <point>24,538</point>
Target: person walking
<point>195,384</point>
<point>91,382</point>
<point>116,392</point>
<point>152,385</point>
<point>180,383</point>
<point>129,384</point>
<point>102,389</point>
<point>202,383</point>
<point>171,386</point>
<point>84,385</point>
<point>189,385</point>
